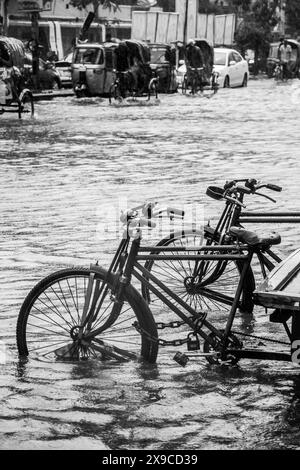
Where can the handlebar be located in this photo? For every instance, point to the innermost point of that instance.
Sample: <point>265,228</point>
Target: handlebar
<point>234,193</point>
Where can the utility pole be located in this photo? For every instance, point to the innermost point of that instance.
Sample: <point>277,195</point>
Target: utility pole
<point>4,14</point>
<point>35,48</point>
<point>185,21</point>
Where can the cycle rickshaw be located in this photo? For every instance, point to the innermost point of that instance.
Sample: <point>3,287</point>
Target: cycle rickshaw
<point>199,60</point>
<point>274,68</point>
<point>14,96</point>
<point>134,76</point>
<point>163,63</point>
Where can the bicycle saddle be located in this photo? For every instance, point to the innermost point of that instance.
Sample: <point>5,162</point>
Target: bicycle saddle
<point>252,239</point>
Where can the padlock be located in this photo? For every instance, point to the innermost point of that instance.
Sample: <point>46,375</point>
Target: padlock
<point>193,343</point>
<point>181,359</point>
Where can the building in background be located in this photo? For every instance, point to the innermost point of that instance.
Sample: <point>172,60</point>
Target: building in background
<point>60,23</point>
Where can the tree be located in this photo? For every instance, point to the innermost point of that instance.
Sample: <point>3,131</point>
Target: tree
<point>292,13</point>
<point>5,16</point>
<point>255,30</point>
<point>82,4</point>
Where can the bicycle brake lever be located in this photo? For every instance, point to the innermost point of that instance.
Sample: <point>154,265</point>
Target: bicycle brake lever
<point>267,197</point>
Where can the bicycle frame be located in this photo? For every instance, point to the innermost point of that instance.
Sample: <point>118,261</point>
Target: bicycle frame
<point>196,320</point>
<point>233,215</point>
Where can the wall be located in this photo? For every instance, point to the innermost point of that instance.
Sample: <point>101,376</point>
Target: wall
<point>219,29</point>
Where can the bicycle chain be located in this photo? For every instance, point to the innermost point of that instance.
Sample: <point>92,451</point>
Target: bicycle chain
<point>180,342</point>
<point>261,338</point>
<point>172,324</point>
<point>161,342</point>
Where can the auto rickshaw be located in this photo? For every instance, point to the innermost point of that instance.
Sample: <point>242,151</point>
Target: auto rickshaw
<point>134,76</point>
<point>94,69</point>
<point>273,59</point>
<point>163,63</point>
<point>112,69</point>
<point>199,60</point>
<point>14,96</point>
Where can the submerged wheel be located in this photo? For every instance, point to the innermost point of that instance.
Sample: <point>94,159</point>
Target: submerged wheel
<point>278,73</point>
<point>153,88</point>
<point>245,81</point>
<point>115,93</point>
<point>56,85</point>
<point>226,82</point>
<point>49,319</point>
<point>26,105</point>
<point>217,277</point>
<point>184,85</point>
<point>214,345</point>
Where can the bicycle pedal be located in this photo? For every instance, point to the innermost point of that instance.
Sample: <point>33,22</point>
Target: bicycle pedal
<point>181,359</point>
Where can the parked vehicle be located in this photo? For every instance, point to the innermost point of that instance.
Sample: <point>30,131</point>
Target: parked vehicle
<point>163,64</point>
<point>273,59</point>
<point>48,76</point>
<point>94,69</point>
<point>199,61</point>
<point>115,70</point>
<point>14,96</point>
<point>232,69</point>
<point>64,69</point>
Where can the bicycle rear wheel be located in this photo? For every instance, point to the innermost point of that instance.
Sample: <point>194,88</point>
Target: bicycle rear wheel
<point>26,105</point>
<point>50,317</point>
<point>217,277</point>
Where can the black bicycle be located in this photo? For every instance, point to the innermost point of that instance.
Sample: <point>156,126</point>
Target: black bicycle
<point>193,281</point>
<point>96,313</point>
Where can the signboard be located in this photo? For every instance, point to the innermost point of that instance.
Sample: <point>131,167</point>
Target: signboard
<point>34,5</point>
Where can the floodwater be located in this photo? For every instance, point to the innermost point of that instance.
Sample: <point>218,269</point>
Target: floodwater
<point>63,176</point>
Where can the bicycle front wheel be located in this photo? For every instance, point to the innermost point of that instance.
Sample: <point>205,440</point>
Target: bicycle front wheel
<point>49,320</point>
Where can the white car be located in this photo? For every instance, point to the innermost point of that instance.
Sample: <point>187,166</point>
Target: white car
<point>231,67</point>
<point>63,67</point>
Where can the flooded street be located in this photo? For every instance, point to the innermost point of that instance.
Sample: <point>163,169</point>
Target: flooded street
<point>62,177</point>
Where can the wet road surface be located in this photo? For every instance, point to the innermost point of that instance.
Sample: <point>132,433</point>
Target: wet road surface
<point>62,178</point>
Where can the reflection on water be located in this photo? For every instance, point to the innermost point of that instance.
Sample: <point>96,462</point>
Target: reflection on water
<point>61,174</point>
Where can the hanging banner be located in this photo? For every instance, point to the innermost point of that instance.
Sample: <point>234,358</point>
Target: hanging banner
<point>34,5</point>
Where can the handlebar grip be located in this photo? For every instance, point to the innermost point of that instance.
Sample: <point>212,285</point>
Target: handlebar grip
<point>173,211</point>
<point>274,187</point>
<point>215,193</point>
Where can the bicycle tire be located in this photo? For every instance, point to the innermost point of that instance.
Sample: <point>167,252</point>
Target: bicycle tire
<point>25,104</point>
<point>218,282</point>
<point>152,88</point>
<point>52,310</point>
<point>115,93</point>
<point>184,85</point>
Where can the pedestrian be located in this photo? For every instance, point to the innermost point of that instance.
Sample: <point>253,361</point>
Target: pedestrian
<point>284,55</point>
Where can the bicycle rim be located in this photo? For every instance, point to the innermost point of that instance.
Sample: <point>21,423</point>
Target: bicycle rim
<point>49,319</point>
<point>219,280</point>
